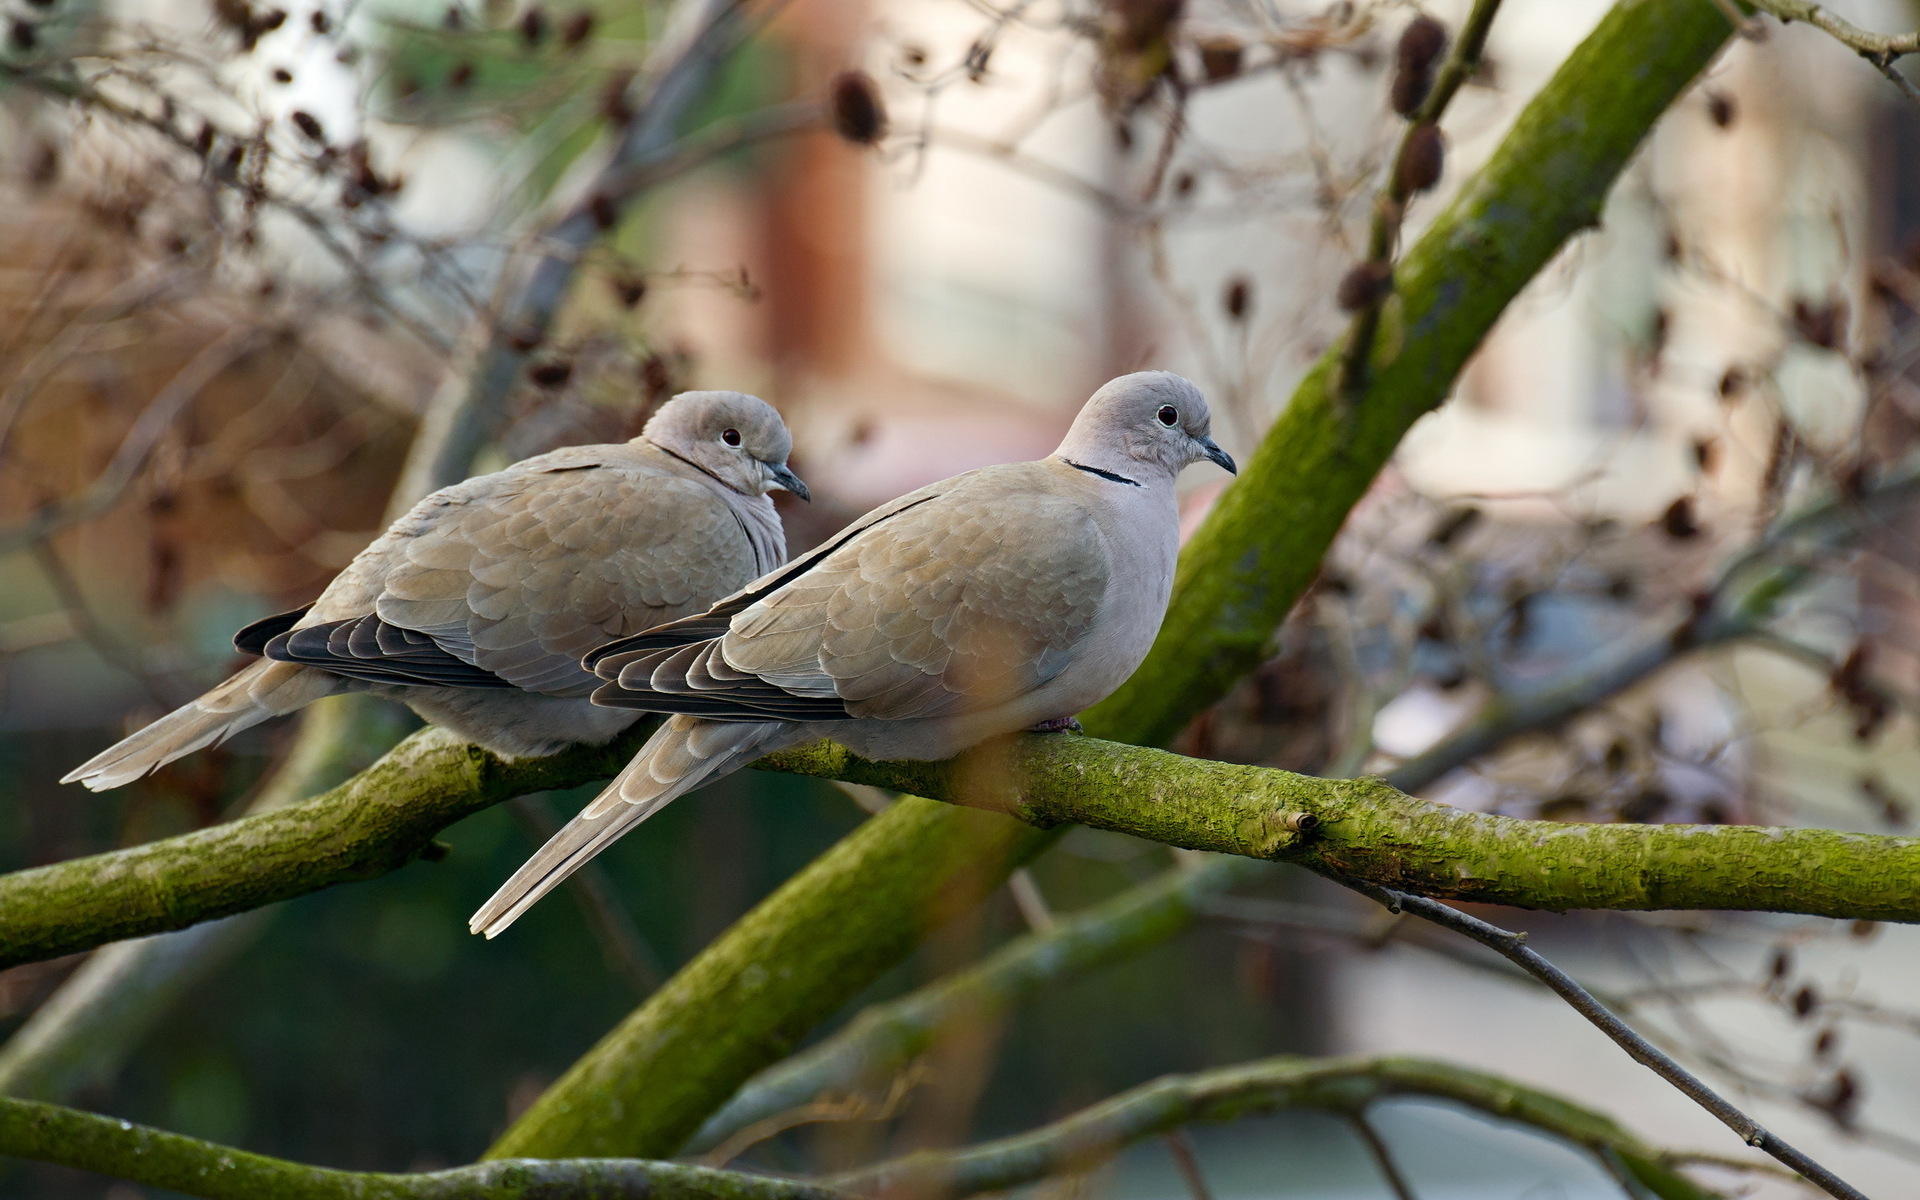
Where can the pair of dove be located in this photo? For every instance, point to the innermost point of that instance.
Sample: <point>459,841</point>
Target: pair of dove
<point>556,601</point>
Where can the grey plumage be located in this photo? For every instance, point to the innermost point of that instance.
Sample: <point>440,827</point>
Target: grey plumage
<point>475,608</point>
<point>987,603</point>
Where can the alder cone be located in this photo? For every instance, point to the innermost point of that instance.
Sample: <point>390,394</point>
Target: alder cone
<point>1422,159</point>
<point>859,115</point>
<point>1364,285</point>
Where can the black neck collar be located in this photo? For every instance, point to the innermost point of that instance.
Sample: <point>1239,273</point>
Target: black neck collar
<point>1110,476</point>
<point>696,466</point>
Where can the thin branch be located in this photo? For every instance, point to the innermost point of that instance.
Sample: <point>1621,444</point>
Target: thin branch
<point>1383,1157</point>
<point>1514,947</point>
<point>471,403</point>
<point>1863,41</point>
<point>1337,1085</point>
<point>1390,208</point>
<point>1180,1147</point>
<point>125,466</point>
<point>880,1042</point>
<point>51,1133</point>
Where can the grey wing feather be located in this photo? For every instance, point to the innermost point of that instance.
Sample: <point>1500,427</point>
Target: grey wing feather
<point>507,579</point>
<point>946,607</point>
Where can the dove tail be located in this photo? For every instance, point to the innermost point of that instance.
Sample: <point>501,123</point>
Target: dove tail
<point>680,756</point>
<point>262,690</point>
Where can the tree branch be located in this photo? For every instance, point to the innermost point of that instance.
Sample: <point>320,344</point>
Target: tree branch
<point>1370,830</point>
<point>470,405</point>
<point>1339,1085</point>
<point>50,1133</point>
<point>880,1042</point>
<point>1513,946</point>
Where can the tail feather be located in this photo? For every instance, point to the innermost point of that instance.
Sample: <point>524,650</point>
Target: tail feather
<point>681,755</point>
<point>262,690</point>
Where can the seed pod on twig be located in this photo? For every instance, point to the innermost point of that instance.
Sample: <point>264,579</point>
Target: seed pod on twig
<point>1237,297</point>
<point>859,115</point>
<point>551,374</point>
<point>630,290</point>
<point>614,105</point>
<point>1420,44</point>
<point>1366,284</point>
<point>1220,58</point>
<point>1422,160</point>
<point>533,25</point>
<point>578,28</point>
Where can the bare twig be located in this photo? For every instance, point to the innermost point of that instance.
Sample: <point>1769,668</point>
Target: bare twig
<point>1181,1148</point>
<point>1390,209</point>
<point>1880,49</point>
<point>166,406</point>
<point>1382,1156</point>
<point>1840,29</point>
<point>1337,1085</point>
<point>1514,947</point>
<point>470,405</point>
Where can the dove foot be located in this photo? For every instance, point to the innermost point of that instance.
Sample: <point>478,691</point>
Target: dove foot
<point>1057,725</point>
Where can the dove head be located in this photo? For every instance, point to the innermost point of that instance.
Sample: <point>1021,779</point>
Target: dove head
<point>736,438</point>
<point>1147,423</point>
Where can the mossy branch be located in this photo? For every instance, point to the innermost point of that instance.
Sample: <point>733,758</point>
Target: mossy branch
<point>376,822</point>
<point>1369,830</point>
<point>1342,1085</point>
<point>55,1134</point>
<point>87,1141</point>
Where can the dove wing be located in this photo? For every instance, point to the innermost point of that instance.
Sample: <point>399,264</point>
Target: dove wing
<point>507,580</point>
<point>952,601</point>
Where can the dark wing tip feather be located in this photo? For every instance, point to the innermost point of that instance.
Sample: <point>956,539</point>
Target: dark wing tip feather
<point>253,639</point>
<point>369,649</point>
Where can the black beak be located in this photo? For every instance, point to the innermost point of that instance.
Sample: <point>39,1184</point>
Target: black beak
<point>1216,455</point>
<point>784,476</point>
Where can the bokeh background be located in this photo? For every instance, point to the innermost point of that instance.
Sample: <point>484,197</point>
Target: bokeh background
<point>237,272</point>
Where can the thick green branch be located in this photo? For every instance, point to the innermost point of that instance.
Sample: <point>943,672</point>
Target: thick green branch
<point>51,1133</point>
<point>1367,829</point>
<point>1343,1085</point>
<point>875,1046</point>
<point>377,822</point>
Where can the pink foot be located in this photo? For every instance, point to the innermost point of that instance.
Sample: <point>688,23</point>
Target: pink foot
<point>1057,725</point>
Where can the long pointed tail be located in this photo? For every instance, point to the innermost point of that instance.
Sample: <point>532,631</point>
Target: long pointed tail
<point>262,690</point>
<point>680,756</point>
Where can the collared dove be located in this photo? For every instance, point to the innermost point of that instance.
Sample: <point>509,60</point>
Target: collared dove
<point>475,607</point>
<point>1003,599</point>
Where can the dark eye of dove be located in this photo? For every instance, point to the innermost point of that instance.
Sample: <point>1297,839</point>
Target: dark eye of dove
<point>731,437</point>
<point>1168,414</point>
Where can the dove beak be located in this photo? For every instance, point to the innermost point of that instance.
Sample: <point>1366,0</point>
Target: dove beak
<point>783,476</point>
<point>1218,456</point>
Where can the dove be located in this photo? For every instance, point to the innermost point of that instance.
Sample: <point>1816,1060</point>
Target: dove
<point>1002,599</point>
<point>475,607</point>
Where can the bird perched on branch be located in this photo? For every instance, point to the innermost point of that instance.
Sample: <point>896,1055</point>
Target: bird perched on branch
<point>475,607</point>
<point>1003,599</point>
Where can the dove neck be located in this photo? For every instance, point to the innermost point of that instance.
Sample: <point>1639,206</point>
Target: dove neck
<point>1101,458</point>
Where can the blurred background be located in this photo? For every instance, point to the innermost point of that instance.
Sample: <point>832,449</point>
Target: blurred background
<point>249,253</point>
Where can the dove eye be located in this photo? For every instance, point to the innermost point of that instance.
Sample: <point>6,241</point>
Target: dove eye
<point>1168,414</point>
<point>731,437</point>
